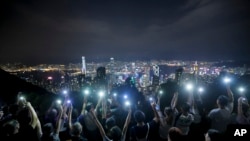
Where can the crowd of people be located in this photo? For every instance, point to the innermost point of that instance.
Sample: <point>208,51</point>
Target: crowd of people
<point>110,120</point>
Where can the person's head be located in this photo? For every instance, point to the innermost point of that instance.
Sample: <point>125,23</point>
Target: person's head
<point>175,134</point>
<point>115,133</point>
<point>89,106</point>
<point>53,113</point>
<point>168,111</point>
<point>76,129</point>
<point>222,101</point>
<point>185,107</point>
<point>213,135</point>
<point>110,122</point>
<point>139,116</point>
<point>245,105</point>
<point>47,129</point>
<point>11,127</point>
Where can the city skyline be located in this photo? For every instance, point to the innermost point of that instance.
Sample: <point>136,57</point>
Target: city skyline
<point>49,31</point>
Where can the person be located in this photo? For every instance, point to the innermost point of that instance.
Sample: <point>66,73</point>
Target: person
<point>184,119</point>
<point>115,133</point>
<point>76,128</point>
<point>242,111</point>
<point>167,121</point>
<point>220,117</point>
<point>49,132</point>
<point>90,129</point>
<point>213,135</point>
<point>141,130</point>
<point>10,130</point>
<point>175,134</point>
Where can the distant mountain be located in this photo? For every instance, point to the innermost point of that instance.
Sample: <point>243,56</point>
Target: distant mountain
<point>10,86</point>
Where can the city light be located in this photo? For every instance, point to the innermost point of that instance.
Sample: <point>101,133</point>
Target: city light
<point>114,94</point>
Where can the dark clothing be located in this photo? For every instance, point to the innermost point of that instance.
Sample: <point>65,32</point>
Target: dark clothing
<point>140,132</point>
<point>74,138</point>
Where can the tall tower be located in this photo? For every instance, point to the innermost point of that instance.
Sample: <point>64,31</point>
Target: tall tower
<point>83,65</point>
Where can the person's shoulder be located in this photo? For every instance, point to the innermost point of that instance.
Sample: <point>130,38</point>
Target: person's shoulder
<point>215,110</point>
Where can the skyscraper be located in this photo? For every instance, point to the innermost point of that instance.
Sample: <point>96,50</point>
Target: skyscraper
<point>83,65</point>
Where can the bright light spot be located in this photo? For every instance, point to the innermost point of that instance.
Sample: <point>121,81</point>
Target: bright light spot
<point>50,78</point>
<point>101,93</point>
<point>151,99</point>
<point>68,101</point>
<point>114,94</point>
<point>201,89</point>
<point>241,89</point>
<point>65,92</point>
<point>21,98</point>
<point>227,80</point>
<point>58,101</point>
<point>127,103</point>
<point>189,87</point>
<point>86,92</point>
<point>125,96</point>
<point>161,92</point>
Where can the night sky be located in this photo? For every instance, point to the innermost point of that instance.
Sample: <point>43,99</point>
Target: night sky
<point>61,31</point>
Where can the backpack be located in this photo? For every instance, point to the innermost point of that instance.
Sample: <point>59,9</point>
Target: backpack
<point>146,137</point>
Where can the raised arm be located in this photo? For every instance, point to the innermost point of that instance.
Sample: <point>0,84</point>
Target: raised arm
<point>230,98</point>
<point>174,100</point>
<point>230,94</point>
<point>156,115</point>
<point>34,118</point>
<point>99,125</point>
<point>84,105</point>
<point>126,124</point>
<point>70,116</point>
<point>59,119</point>
<point>239,110</point>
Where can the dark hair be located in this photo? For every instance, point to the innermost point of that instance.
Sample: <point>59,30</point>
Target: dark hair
<point>76,128</point>
<point>139,116</point>
<point>10,126</point>
<point>214,135</point>
<point>110,122</point>
<point>175,134</point>
<point>223,100</point>
<point>115,133</point>
<point>89,106</point>
<point>245,107</point>
<point>48,128</point>
<point>185,107</point>
<point>168,111</point>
